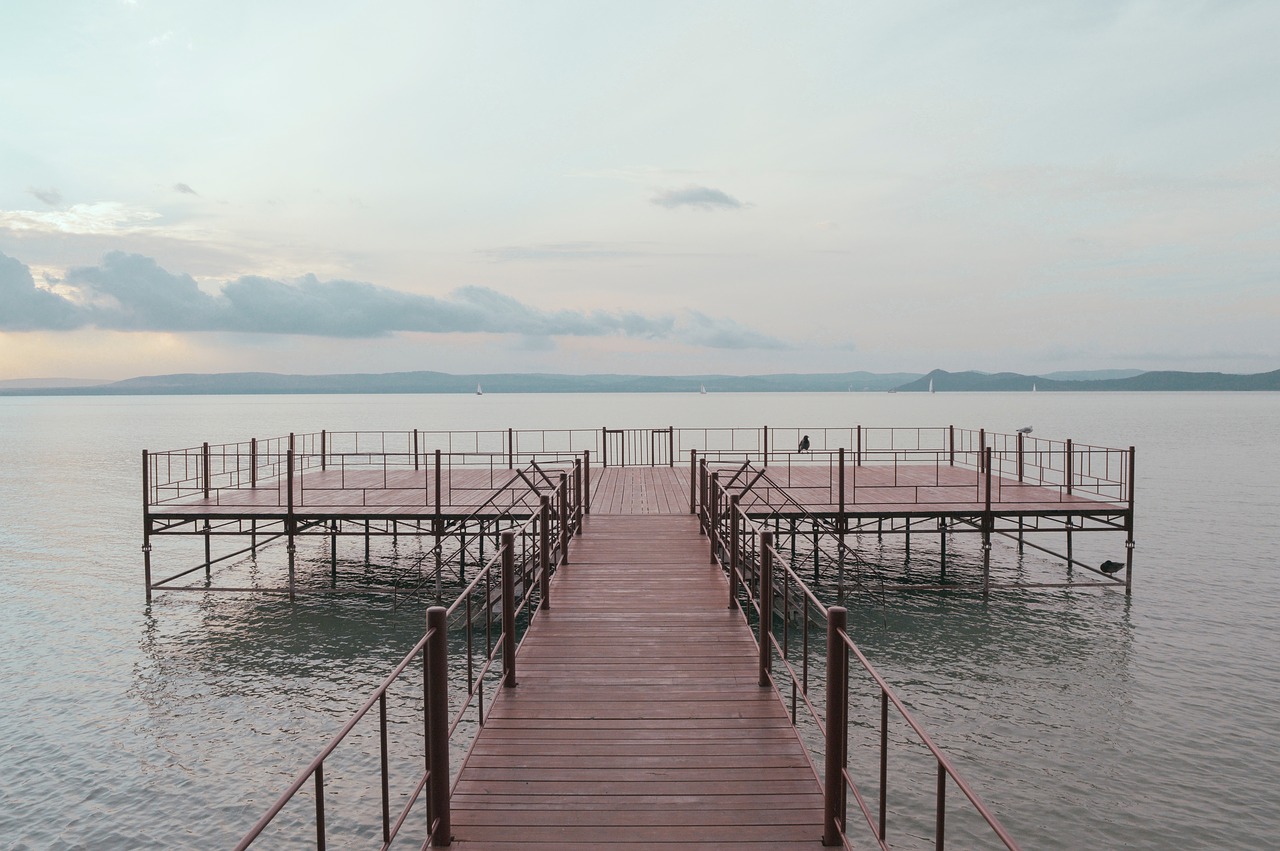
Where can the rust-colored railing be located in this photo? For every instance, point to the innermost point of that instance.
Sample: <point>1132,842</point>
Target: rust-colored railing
<point>491,619</point>
<point>791,613</point>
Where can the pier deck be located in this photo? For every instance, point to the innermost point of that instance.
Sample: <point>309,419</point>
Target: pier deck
<point>638,719</point>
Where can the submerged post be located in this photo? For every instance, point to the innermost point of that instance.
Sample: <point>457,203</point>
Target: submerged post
<point>1128,525</point>
<point>509,609</point>
<point>837,727</point>
<point>766,606</point>
<point>436,660</point>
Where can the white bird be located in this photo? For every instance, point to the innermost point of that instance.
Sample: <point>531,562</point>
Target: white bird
<point>1025,430</point>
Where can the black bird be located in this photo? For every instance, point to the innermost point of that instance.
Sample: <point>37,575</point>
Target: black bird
<point>1111,567</point>
<point>804,444</point>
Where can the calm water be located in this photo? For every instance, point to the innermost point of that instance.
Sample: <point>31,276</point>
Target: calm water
<point>1084,719</point>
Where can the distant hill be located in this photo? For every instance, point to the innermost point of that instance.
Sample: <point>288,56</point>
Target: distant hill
<point>229,383</point>
<point>952,382</point>
<point>237,383</point>
<point>50,383</point>
<point>1093,374</point>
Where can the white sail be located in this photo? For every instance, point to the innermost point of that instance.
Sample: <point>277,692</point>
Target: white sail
<point>479,392</point>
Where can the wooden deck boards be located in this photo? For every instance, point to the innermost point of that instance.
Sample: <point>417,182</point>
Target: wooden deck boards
<point>638,721</point>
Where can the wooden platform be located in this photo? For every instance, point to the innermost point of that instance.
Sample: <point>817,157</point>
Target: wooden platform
<point>638,721</point>
<point>870,491</point>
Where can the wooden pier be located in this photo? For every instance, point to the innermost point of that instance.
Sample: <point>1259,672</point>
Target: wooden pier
<point>658,616</point>
<point>638,719</point>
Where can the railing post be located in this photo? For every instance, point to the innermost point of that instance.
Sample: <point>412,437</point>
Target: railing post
<point>766,607</point>
<point>1020,455</point>
<point>544,551</point>
<point>253,462</point>
<point>843,520</point>
<point>437,712</point>
<point>586,481</point>
<point>511,449</point>
<point>766,447</point>
<point>940,831</point>
<point>204,467</point>
<point>735,532</point>
<point>508,609</point>
<point>702,497</point>
<point>415,449</point>
<point>982,447</point>
<point>577,496</point>
<point>837,724</point>
<point>858,461</point>
<point>951,445</point>
<point>323,448</point>
<point>693,481</point>
<point>1070,472</point>
<point>604,445</point>
<point>714,515</point>
<point>563,491</point>
<point>671,446</point>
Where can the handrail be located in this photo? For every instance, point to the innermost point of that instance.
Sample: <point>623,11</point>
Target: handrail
<point>774,572</point>
<point>440,727</point>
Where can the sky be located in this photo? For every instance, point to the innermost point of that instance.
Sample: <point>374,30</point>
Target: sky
<point>659,187</point>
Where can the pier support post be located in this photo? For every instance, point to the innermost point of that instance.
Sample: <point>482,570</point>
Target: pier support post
<point>942,547</point>
<point>988,522</point>
<point>436,663</point>
<point>1128,526</point>
<point>766,607</point>
<point>837,727</point>
<point>544,551</point>
<point>146,522</point>
<point>509,608</point>
<point>289,525</point>
<point>586,481</point>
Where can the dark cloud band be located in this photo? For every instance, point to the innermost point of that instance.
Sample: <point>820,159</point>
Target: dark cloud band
<point>130,292</point>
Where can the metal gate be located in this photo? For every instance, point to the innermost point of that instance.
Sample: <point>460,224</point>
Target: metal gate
<point>638,447</point>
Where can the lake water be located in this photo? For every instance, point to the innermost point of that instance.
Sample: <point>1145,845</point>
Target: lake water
<point>1085,719</point>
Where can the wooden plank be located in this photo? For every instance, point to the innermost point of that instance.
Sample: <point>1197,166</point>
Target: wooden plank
<point>638,715</point>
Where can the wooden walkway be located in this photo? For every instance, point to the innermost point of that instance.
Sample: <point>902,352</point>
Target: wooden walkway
<point>638,721</point>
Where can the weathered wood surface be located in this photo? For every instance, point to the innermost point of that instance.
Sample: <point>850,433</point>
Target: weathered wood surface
<point>638,720</point>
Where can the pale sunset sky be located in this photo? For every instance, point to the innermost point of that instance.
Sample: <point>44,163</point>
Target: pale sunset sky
<point>656,187</point>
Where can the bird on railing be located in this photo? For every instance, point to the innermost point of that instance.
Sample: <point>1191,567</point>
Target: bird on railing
<point>1110,568</point>
<point>1025,430</point>
<point>804,444</point>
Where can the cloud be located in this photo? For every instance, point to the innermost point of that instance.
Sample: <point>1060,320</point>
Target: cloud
<point>699,197</point>
<point>50,196</point>
<point>26,307</point>
<point>101,217</point>
<point>130,292</point>
<point>184,189</point>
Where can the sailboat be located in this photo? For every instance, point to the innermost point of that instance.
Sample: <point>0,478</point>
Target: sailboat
<point>703,389</point>
<point>479,392</point>
<point>1033,387</point>
<point>930,385</point>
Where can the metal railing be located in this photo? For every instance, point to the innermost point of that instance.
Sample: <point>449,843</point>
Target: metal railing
<point>787,614</point>
<point>484,624</point>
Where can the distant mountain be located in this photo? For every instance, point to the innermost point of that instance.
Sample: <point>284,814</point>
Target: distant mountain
<point>951,382</point>
<point>440,382</point>
<point>1093,374</point>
